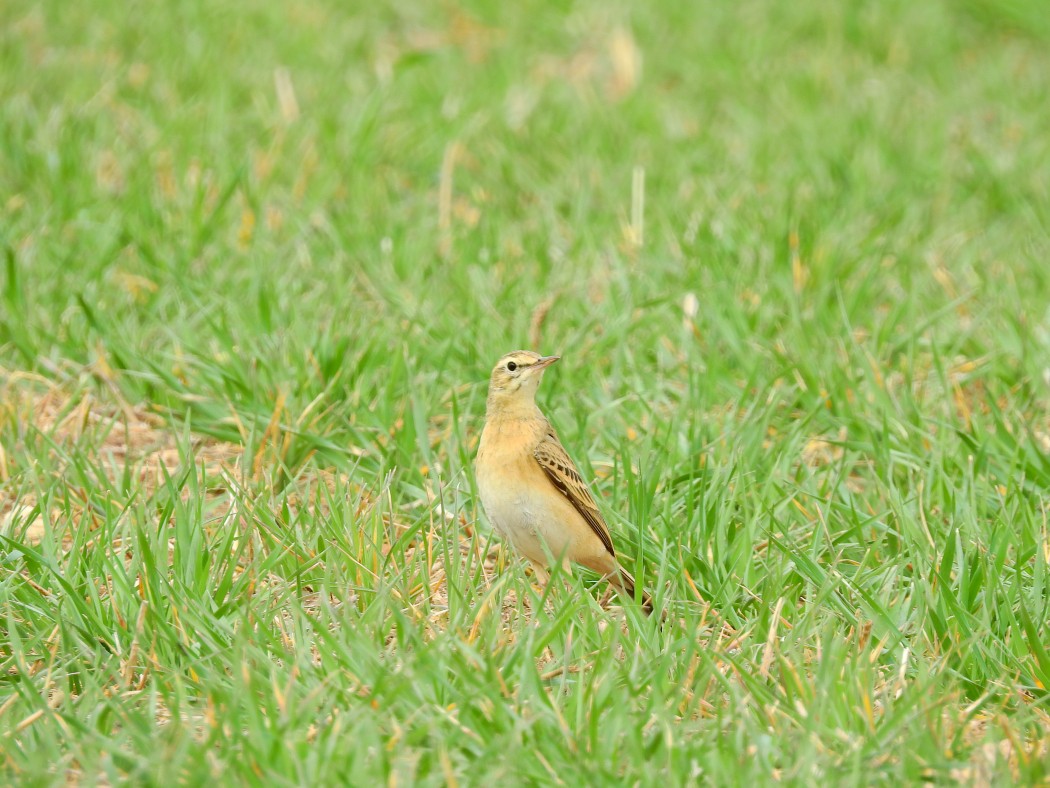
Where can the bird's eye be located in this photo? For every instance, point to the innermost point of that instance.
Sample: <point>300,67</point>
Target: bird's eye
<point>511,366</point>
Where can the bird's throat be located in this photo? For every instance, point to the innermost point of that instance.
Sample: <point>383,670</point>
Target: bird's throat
<point>502,406</point>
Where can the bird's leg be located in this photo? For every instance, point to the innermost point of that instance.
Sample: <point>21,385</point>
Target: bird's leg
<point>566,575</point>
<point>542,575</point>
<point>542,578</point>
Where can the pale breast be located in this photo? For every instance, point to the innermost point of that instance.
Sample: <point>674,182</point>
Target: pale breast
<point>519,500</point>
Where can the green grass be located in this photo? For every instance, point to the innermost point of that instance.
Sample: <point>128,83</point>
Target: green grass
<point>257,263</point>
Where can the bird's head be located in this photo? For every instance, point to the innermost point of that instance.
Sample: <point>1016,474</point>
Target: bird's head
<point>515,379</point>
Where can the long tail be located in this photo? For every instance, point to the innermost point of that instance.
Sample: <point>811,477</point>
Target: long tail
<point>623,580</point>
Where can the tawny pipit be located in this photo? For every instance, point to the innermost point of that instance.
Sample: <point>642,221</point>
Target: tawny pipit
<point>531,490</point>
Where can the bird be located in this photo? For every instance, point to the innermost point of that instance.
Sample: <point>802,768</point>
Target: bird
<point>531,491</point>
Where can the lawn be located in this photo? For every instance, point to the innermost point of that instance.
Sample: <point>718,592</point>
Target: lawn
<point>257,261</point>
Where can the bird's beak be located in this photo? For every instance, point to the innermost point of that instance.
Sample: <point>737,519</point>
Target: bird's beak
<point>545,361</point>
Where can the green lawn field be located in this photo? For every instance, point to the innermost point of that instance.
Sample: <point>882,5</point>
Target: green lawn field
<point>257,261</point>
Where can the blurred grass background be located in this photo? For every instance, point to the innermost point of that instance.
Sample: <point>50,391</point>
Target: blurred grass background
<point>258,262</point>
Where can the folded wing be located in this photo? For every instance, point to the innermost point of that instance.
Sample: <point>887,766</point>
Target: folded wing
<point>564,475</point>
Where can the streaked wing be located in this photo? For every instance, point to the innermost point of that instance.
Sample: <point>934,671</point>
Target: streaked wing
<point>563,474</point>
